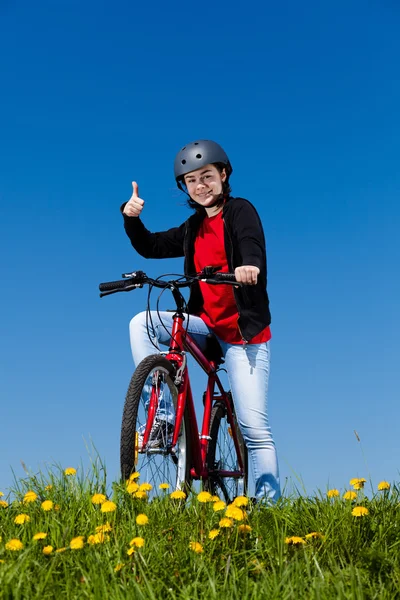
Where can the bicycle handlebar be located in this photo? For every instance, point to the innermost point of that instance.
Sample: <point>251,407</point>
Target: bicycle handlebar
<point>139,278</point>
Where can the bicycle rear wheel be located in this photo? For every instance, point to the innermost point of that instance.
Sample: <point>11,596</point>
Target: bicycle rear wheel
<point>222,456</point>
<point>160,464</point>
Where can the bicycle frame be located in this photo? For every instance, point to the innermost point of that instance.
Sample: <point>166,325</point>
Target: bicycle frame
<point>182,342</point>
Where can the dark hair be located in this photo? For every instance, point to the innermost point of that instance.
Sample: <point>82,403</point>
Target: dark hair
<point>226,190</point>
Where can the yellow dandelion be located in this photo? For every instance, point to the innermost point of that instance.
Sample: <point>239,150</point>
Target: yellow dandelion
<point>225,522</point>
<point>142,519</point>
<point>14,545</point>
<point>145,487</point>
<point>140,495</point>
<point>98,538</point>
<point>235,513</point>
<point>60,550</point>
<point>204,497</point>
<point>69,471</point>
<point>98,499</point>
<point>134,476</point>
<point>137,542</point>
<point>1,494</point>
<point>359,511</point>
<point>47,550</point>
<point>22,519</point>
<point>47,505</point>
<point>30,496</point>
<point>244,528</point>
<point>333,493</point>
<point>213,534</point>
<point>196,547</point>
<point>108,506</point>
<point>164,486</point>
<point>215,498</point>
<point>350,495</point>
<point>3,504</point>
<point>358,482</point>
<point>294,539</point>
<point>241,501</point>
<point>40,536</point>
<point>178,495</point>
<point>220,505</point>
<point>383,485</point>
<point>77,542</point>
<point>118,567</point>
<point>131,551</point>
<point>104,528</point>
<point>132,487</point>
<point>48,488</point>
<point>314,535</point>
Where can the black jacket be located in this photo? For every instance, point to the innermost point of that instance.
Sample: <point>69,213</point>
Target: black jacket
<point>244,245</point>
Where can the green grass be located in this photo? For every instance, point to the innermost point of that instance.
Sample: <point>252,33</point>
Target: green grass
<point>357,557</point>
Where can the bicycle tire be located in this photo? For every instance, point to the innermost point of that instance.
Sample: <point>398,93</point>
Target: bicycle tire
<point>221,454</point>
<point>159,465</point>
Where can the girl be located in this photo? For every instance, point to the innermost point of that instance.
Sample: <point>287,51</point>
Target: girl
<point>226,232</point>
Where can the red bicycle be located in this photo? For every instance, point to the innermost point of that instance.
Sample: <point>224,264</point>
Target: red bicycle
<point>216,454</point>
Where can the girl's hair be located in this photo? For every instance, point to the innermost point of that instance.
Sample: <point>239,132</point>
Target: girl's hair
<point>226,191</point>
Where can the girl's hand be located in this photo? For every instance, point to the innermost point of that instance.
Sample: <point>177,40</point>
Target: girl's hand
<point>134,206</point>
<point>247,274</point>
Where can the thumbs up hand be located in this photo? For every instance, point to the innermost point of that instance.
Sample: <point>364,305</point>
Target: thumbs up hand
<point>134,206</point>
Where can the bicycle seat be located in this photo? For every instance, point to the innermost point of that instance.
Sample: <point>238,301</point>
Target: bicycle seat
<point>213,350</point>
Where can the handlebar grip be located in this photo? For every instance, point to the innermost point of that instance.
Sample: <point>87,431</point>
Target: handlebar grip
<point>225,276</point>
<point>115,285</point>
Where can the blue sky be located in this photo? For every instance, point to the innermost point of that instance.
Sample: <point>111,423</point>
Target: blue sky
<point>304,98</point>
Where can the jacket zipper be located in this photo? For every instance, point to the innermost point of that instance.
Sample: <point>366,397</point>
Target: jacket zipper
<point>244,341</point>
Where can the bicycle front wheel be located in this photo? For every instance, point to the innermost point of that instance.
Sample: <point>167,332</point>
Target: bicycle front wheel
<point>222,457</point>
<point>157,462</point>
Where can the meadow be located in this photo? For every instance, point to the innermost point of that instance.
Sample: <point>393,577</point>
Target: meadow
<point>63,536</point>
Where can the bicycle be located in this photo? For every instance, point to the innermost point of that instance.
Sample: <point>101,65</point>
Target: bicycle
<point>217,454</point>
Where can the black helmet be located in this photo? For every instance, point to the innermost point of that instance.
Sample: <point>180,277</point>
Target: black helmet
<point>198,154</point>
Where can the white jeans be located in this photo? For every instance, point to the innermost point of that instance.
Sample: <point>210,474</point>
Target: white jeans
<point>248,371</point>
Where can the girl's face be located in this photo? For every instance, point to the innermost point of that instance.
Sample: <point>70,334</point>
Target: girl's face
<point>205,184</point>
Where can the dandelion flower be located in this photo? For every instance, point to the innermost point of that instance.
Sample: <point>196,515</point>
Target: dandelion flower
<point>47,505</point>
<point>241,501</point>
<point>104,528</point>
<point>131,551</point>
<point>40,536</point>
<point>134,476</point>
<point>77,542</point>
<point>98,499</point>
<point>118,567</point>
<point>47,550</point>
<point>225,522</point>
<point>137,542</point>
<point>204,497</point>
<point>108,506</point>
<point>350,495</point>
<point>294,539</point>
<point>235,513</point>
<point>145,487</point>
<point>48,488</point>
<point>3,504</point>
<point>196,547</point>
<point>314,535</point>
<point>244,528</point>
<point>60,550</point>
<point>142,519</point>
<point>333,493</point>
<point>30,496</point>
<point>98,538</point>
<point>383,485</point>
<point>22,519</point>
<point>359,511</point>
<point>14,545</point>
<point>213,534</point>
<point>178,495</point>
<point>220,505</point>
<point>132,487</point>
<point>164,486</point>
<point>215,498</point>
<point>140,494</point>
<point>1,494</point>
<point>70,471</point>
<point>358,482</point>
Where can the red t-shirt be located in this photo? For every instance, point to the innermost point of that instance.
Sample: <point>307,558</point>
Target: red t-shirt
<point>219,310</point>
